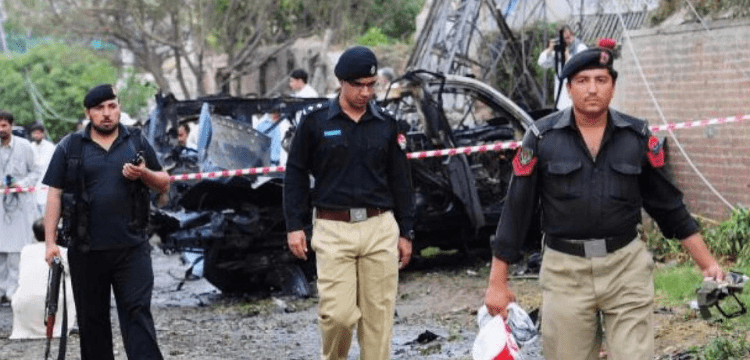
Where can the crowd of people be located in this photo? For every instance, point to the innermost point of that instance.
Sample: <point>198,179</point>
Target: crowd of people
<point>589,168</point>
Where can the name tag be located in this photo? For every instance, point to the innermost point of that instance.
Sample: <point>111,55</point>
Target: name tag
<point>332,133</point>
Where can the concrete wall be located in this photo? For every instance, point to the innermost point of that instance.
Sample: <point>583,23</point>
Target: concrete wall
<point>695,74</point>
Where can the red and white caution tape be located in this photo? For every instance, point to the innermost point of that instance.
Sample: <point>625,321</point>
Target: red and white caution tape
<point>414,155</point>
<point>228,173</point>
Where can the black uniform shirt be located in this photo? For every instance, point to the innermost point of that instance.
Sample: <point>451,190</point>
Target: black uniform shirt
<point>582,197</point>
<point>354,165</point>
<point>110,204</point>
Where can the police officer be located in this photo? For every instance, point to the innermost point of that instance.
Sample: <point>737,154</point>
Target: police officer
<point>114,252</point>
<point>592,169</point>
<point>363,206</point>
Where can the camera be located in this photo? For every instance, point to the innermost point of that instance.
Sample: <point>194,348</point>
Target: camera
<point>138,159</point>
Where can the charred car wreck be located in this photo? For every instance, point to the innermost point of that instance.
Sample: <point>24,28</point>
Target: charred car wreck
<point>238,223</point>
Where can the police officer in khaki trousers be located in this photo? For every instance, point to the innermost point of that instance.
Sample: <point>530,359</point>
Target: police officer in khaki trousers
<point>592,169</point>
<point>363,209</point>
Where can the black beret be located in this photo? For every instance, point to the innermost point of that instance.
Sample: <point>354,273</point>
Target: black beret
<point>596,58</point>
<point>356,62</point>
<point>98,95</point>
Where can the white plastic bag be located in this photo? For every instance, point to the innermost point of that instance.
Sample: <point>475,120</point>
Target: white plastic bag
<point>495,340</point>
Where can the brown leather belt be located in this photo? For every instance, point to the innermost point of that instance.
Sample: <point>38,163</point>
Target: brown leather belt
<point>349,215</point>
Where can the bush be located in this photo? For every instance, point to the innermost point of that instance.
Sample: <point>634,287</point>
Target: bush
<point>731,237</point>
<point>374,37</point>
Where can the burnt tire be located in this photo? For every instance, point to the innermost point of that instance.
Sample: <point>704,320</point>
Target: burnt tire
<point>289,280</point>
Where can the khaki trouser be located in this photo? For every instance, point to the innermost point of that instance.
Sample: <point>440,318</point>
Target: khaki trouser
<point>574,288</point>
<point>357,283</point>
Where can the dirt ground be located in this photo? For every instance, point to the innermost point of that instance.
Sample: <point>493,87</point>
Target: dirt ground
<point>439,295</point>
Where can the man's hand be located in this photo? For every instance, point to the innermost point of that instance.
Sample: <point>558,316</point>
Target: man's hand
<point>714,272</point>
<point>552,43</point>
<point>134,172</point>
<point>404,252</point>
<point>297,242</point>
<point>498,294</point>
<point>52,251</point>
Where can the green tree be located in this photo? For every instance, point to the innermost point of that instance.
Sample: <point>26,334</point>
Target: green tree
<point>48,84</point>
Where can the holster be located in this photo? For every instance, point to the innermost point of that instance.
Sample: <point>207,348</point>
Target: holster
<point>140,199</point>
<point>75,224</point>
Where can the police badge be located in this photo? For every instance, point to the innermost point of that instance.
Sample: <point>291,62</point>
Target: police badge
<point>524,162</point>
<point>655,152</point>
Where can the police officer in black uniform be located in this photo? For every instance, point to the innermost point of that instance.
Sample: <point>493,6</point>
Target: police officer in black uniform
<point>110,249</point>
<point>592,169</point>
<point>362,199</point>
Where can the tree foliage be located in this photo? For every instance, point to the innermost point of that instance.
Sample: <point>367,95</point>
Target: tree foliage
<point>184,34</point>
<point>49,82</point>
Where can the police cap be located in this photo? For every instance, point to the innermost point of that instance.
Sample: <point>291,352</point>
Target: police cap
<point>98,95</point>
<point>596,58</point>
<point>356,62</point>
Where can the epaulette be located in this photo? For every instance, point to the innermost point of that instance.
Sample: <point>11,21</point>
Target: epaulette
<point>315,107</point>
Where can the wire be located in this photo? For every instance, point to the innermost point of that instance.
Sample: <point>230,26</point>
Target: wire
<point>661,114</point>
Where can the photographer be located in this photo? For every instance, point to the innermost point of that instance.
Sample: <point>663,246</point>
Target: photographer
<point>555,55</point>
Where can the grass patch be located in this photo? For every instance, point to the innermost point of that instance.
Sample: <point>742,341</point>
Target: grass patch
<point>676,285</point>
<point>432,251</point>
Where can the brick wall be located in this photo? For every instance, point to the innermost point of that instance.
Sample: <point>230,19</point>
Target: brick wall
<point>695,74</point>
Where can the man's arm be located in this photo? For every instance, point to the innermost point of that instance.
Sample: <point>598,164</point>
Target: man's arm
<point>498,294</point>
<point>51,219</point>
<point>695,245</point>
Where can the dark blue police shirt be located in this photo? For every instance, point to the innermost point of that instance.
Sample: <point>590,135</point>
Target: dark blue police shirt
<point>110,204</point>
<point>355,164</point>
<point>582,197</point>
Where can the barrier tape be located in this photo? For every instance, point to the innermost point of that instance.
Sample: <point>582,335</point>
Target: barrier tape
<point>414,155</point>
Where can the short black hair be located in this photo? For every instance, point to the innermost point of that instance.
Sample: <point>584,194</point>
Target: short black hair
<point>300,74</point>
<point>7,115</point>
<point>186,126</point>
<point>36,126</point>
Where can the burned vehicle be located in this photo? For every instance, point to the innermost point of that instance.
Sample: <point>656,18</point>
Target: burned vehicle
<point>237,222</point>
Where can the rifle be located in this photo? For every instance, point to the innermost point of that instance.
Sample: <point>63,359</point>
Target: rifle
<point>50,308</point>
<point>712,292</point>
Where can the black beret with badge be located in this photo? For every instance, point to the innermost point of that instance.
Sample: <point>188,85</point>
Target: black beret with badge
<point>595,58</point>
<point>356,62</point>
<point>98,95</point>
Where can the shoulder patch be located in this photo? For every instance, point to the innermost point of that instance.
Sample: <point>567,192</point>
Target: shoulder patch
<point>524,162</point>
<point>655,152</point>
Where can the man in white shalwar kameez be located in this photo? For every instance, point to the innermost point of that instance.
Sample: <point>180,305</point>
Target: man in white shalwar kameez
<point>17,210</point>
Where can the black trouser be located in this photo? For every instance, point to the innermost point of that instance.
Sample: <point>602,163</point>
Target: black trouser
<point>129,274</point>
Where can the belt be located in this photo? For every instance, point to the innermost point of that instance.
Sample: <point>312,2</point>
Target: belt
<point>348,215</point>
<point>588,248</point>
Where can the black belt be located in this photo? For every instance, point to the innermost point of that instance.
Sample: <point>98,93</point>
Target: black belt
<point>588,248</point>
